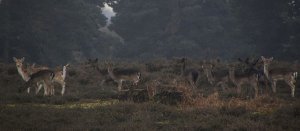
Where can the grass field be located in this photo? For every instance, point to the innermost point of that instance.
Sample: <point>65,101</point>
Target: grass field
<point>89,106</point>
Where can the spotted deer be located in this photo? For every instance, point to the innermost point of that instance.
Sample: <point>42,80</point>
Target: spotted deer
<point>25,74</point>
<point>279,74</point>
<point>120,75</point>
<point>60,76</point>
<point>93,63</point>
<point>45,77</point>
<point>240,79</point>
<point>220,77</point>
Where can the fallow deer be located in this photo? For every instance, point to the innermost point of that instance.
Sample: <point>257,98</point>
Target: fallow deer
<point>25,74</point>
<point>240,79</point>
<point>44,76</point>
<point>279,74</point>
<point>220,77</point>
<point>60,76</point>
<point>254,67</point>
<point>102,72</point>
<point>190,75</point>
<point>120,75</point>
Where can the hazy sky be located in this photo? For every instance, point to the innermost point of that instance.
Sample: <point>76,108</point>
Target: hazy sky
<point>108,12</point>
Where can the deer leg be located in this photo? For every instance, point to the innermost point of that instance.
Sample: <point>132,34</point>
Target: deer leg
<point>46,89</point>
<point>192,83</point>
<point>292,85</point>
<point>255,89</point>
<point>63,88</point>
<point>39,85</point>
<point>52,89</point>
<point>274,86</point>
<point>120,85</point>
<point>28,90</point>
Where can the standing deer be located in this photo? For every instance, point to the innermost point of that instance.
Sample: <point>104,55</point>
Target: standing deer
<point>284,74</point>
<point>120,75</point>
<point>220,77</point>
<point>240,79</point>
<point>25,74</point>
<point>60,76</point>
<point>253,67</point>
<point>44,76</point>
<point>102,72</point>
<point>190,75</point>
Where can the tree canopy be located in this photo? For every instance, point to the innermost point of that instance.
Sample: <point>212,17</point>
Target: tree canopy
<point>60,31</point>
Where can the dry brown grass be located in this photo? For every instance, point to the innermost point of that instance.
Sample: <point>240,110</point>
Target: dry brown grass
<point>89,106</point>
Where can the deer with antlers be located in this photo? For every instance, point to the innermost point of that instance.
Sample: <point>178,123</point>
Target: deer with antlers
<point>250,75</point>
<point>240,79</point>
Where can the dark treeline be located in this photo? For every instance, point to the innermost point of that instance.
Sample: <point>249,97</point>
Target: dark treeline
<point>60,31</point>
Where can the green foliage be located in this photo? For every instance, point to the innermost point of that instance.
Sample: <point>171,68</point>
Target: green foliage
<point>55,32</point>
<point>51,31</point>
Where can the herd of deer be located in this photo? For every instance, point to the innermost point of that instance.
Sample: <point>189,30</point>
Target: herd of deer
<point>43,77</point>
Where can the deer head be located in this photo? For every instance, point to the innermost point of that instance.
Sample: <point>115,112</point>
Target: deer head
<point>19,62</point>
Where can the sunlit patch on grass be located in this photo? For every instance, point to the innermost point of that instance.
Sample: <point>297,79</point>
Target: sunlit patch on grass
<point>81,105</point>
<point>165,122</point>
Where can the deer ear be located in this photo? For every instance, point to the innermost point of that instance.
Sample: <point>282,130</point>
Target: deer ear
<point>262,57</point>
<point>22,59</point>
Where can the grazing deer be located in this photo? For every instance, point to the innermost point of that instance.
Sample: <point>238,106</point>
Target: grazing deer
<point>120,75</point>
<point>239,79</point>
<point>219,79</point>
<point>44,76</point>
<point>25,74</point>
<point>103,72</point>
<point>285,74</point>
<point>190,75</point>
